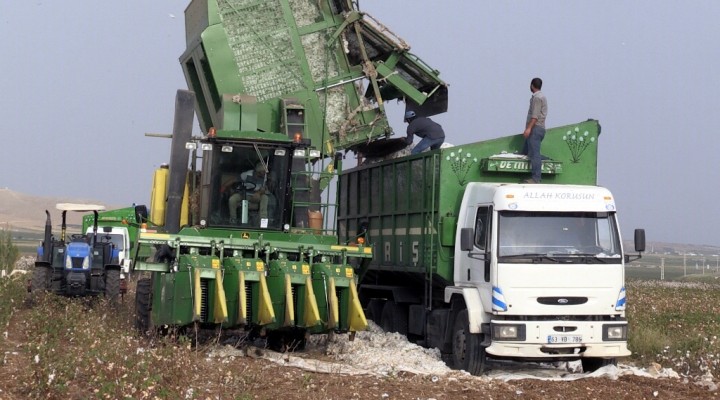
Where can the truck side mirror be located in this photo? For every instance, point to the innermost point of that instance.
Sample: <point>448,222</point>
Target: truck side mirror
<point>639,240</point>
<point>467,237</point>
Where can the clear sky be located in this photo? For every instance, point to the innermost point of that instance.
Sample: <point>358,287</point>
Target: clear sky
<point>82,81</point>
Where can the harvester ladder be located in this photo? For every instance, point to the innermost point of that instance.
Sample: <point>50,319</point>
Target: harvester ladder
<point>429,272</point>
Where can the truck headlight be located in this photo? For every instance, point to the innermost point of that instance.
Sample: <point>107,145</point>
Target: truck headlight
<point>614,332</point>
<point>508,332</point>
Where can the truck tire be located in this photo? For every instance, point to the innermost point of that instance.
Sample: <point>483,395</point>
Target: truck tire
<point>592,364</point>
<point>467,351</point>
<point>143,306</point>
<point>374,310</point>
<point>394,318</point>
<point>112,285</point>
<point>40,279</point>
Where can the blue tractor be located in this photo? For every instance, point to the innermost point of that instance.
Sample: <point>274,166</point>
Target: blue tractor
<point>81,265</point>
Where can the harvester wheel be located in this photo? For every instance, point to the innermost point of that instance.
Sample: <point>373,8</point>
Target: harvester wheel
<point>40,279</point>
<point>394,318</point>
<point>112,285</point>
<point>467,350</point>
<point>143,306</point>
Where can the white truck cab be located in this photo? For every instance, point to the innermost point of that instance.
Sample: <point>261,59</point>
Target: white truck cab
<point>541,268</point>
<point>120,237</point>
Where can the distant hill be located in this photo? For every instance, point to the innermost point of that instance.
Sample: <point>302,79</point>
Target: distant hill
<point>23,212</point>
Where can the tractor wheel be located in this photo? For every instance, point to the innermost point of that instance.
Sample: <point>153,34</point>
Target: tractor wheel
<point>143,306</point>
<point>467,350</point>
<point>112,285</point>
<point>40,279</point>
<point>592,364</point>
<point>394,318</point>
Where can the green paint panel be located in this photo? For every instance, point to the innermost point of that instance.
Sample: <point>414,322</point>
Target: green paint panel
<point>343,275</point>
<point>252,268</point>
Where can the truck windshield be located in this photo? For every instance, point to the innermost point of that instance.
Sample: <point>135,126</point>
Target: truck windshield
<point>554,235</point>
<point>115,238</point>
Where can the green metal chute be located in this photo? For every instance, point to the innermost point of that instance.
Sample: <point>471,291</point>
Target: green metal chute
<point>246,59</point>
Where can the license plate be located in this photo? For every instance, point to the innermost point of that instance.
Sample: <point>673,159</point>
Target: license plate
<point>564,339</point>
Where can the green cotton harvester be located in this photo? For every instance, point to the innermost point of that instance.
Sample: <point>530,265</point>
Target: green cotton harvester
<point>242,219</point>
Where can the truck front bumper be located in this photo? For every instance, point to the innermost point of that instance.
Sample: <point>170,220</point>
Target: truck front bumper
<point>559,340</point>
<point>556,352</point>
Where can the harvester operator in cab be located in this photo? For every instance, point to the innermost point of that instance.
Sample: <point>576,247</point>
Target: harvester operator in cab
<point>431,132</point>
<point>254,184</point>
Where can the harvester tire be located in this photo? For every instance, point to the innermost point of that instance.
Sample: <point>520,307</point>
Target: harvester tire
<point>40,279</point>
<point>467,351</point>
<point>394,318</point>
<point>143,306</point>
<point>112,285</point>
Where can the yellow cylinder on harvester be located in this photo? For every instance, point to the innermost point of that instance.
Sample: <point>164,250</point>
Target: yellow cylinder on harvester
<point>159,195</point>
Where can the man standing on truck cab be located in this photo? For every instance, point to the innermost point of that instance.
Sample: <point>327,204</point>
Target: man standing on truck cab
<point>431,132</point>
<point>535,130</point>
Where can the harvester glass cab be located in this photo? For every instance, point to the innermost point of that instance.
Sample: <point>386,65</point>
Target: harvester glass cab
<point>246,186</point>
<point>579,236</point>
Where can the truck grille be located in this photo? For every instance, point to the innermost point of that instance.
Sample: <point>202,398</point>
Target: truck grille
<point>77,262</point>
<point>562,301</point>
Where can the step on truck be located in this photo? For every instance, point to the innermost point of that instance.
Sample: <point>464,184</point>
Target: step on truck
<point>473,263</point>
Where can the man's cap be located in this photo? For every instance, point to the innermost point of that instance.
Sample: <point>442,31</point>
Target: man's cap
<point>409,114</point>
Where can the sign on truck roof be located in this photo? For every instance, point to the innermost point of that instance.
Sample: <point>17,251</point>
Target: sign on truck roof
<point>552,197</point>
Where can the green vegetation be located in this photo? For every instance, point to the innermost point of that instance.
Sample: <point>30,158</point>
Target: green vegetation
<point>676,325</point>
<point>80,348</point>
<point>9,253</point>
<point>11,293</point>
<point>88,348</point>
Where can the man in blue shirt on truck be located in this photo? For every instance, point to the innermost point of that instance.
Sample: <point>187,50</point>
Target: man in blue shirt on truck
<point>431,132</point>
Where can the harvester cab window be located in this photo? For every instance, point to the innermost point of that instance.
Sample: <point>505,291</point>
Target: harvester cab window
<point>245,188</point>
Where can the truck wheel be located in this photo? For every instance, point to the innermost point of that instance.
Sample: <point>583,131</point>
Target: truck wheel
<point>40,279</point>
<point>374,310</point>
<point>467,350</point>
<point>143,306</point>
<point>112,285</point>
<point>394,318</point>
<point>592,364</point>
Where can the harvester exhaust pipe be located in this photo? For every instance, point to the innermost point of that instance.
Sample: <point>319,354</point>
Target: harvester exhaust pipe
<point>47,246</point>
<point>95,228</point>
<point>179,157</point>
<point>63,227</point>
